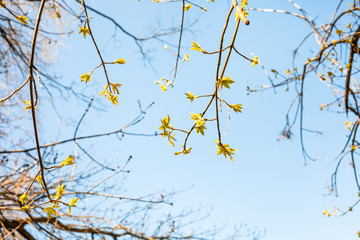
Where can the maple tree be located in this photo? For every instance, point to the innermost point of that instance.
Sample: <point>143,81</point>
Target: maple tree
<point>41,185</point>
<point>38,187</point>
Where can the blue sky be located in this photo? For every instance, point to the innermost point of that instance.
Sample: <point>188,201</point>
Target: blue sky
<point>268,186</point>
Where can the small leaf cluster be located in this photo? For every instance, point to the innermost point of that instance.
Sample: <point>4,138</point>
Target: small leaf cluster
<point>167,130</point>
<point>28,104</point>
<point>111,92</point>
<point>225,150</point>
<point>199,123</point>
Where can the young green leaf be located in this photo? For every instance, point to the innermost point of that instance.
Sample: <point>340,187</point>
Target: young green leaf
<point>84,31</point>
<point>225,82</point>
<point>196,47</point>
<point>190,96</point>
<point>225,150</point>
